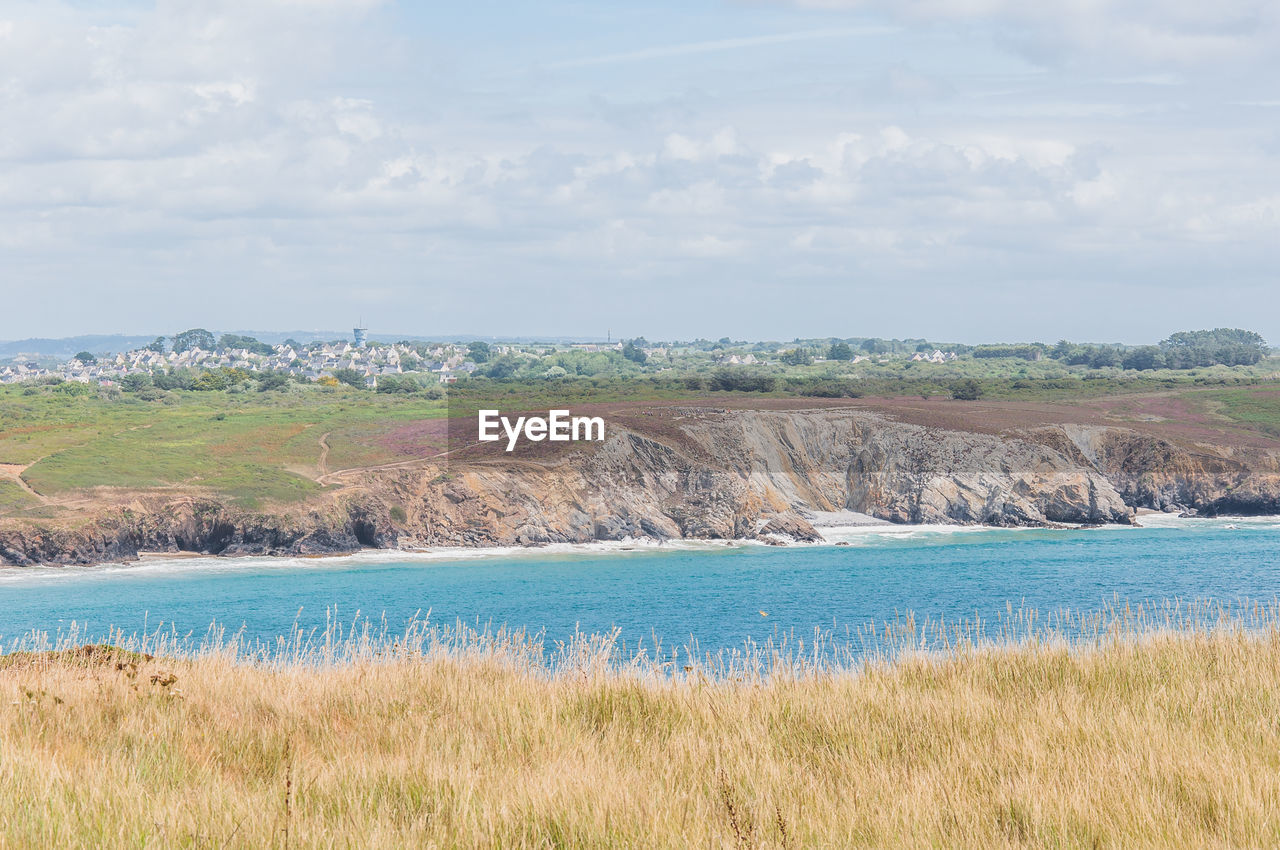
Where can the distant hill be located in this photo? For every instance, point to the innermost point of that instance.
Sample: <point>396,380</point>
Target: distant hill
<point>68,347</point>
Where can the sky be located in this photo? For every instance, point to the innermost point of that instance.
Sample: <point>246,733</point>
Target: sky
<point>960,170</point>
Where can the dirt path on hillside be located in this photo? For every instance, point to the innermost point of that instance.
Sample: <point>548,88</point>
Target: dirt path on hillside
<point>327,476</point>
<point>13,471</point>
<point>323,462</point>
<point>335,477</point>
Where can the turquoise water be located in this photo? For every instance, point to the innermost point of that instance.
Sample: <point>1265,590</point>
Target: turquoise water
<point>712,593</point>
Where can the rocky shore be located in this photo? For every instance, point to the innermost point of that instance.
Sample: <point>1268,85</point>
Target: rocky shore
<point>708,474</point>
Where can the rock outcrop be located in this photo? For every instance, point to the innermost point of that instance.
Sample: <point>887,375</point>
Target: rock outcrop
<point>1210,480</point>
<point>709,474</point>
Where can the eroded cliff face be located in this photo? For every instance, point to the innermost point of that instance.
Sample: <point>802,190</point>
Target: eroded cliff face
<point>1209,479</point>
<point>724,474</point>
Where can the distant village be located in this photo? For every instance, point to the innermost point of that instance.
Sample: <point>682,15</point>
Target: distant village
<point>312,362</point>
<point>446,363</point>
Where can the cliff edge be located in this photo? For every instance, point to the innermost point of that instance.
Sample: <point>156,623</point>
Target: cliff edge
<point>707,473</point>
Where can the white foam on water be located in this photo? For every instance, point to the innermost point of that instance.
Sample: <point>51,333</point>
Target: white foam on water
<point>862,533</point>
<point>1175,521</point>
<point>157,564</point>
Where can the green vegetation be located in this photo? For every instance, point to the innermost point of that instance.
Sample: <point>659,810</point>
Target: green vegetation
<point>254,437</point>
<point>1024,352</point>
<point>875,367</point>
<point>350,377</point>
<point>796,357</point>
<point>13,499</point>
<point>996,379</point>
<point>840,351</point>
<point>1258,409</point>
<point>1185,350</point>
<point>635,353</point>
<point>251,448</point>
<point>407,384</point>
<point>194,338</point>
<point>248,343</point>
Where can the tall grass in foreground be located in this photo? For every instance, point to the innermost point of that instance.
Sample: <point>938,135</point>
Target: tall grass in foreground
<point>1132,728</point>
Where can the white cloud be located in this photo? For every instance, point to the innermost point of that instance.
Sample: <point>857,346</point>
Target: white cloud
<point>276,153</point>
<point>718,45</point>
<point>723,143</point>
<point>1174,31</point>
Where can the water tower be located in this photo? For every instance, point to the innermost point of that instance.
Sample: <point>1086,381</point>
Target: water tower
<point>361,335</point>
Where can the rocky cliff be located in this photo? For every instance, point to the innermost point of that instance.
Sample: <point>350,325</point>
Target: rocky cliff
<point>708,473</point>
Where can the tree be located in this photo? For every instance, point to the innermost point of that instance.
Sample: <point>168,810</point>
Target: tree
<point>1031,351</point>
<point>740,380</point>
<point>350,377</point>
<point>86,357</point>
<point>398,384</point>
<point>135,382</point>
<point>1144,357</point>
<point>478,351</point>
<point>1104,356</point>
<point>272,381</point>
<point>172,380</point>
<point>1226,346</point>
<point>634,353</point>
<point>966,390</point>
<point>501,368</point>
<point>74,388</point>
<point>293,343</point>
<point>248,343</point>
<point>193,339</point>
<point>157,345</point>
<point>796,357</point>
<point>840,351</point>
<point>827,388</point>
<point>209,382</point>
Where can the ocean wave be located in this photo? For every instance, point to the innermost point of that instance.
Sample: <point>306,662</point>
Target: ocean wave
<point>862,534</point>
<point>153,565</point>
<point>1176,521</point>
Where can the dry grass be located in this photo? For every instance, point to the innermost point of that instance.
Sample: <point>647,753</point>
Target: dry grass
<point>1131,739</point>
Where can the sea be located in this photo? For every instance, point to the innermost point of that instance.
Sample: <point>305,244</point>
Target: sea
<point>708,596</point>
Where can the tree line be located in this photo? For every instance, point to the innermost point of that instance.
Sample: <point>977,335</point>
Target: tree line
<point>1183,350</point>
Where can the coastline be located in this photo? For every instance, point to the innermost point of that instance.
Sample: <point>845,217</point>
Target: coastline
<point>842,535</point>
<point>768,476</point>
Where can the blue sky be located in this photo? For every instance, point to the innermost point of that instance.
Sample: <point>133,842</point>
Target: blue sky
<point>957,169</point>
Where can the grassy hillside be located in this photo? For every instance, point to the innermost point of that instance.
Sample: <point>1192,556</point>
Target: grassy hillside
<point>251,448</point>
<point>61,452</point>
<point>1161,741</point>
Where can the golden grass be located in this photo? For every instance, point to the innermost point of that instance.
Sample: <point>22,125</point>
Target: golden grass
<point>1130,740</point>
